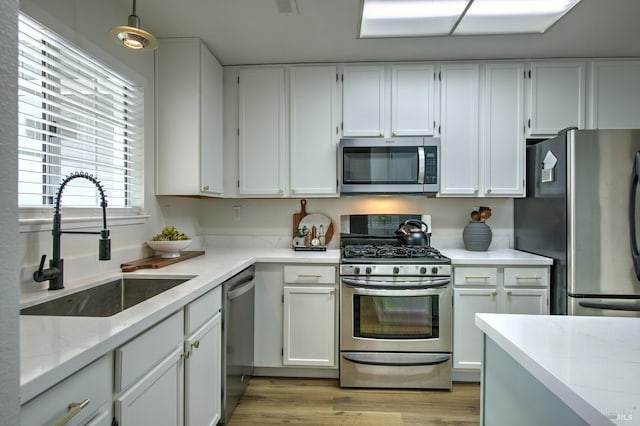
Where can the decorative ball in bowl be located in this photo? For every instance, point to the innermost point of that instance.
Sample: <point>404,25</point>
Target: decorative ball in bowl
<point>169,249</point>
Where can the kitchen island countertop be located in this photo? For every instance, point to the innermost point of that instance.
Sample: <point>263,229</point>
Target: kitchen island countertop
<point>52,348</point>
<point>591,364</point>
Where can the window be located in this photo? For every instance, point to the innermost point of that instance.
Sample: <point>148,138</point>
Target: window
<point>75,114</point>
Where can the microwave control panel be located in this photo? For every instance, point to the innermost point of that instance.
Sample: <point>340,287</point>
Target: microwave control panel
<point>430,164</point>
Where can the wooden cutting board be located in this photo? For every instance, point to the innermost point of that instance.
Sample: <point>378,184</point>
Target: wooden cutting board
<point>158,262</point>
<point>297,217</point>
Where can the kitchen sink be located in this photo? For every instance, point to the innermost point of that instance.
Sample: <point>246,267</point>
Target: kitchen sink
<point>106,299</point>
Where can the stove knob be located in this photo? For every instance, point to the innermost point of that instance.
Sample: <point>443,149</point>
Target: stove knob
<point>423,270</point>
<point>368,270</point>
<point>356,270</point>
<point>434,270</point>
<point>396,270</point>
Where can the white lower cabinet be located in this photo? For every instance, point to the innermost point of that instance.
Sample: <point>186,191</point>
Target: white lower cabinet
<point>309,325</point>
<point>84,398</point>
<point>156,398</point>
<point>495,289</point>
<point>171,373</point>
<point>296,319</point>
<point>203,375</point>
<point>467,341</point>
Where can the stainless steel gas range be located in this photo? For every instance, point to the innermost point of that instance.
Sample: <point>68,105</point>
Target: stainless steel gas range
<point>395,307</point>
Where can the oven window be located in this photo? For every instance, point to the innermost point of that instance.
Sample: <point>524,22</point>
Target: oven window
<point>380,165</point>
<point>395,317</point>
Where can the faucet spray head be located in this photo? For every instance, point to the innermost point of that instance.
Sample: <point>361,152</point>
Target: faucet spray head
<point>104,248</point>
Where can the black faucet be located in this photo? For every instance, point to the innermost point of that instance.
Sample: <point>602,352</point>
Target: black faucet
<point>54,273</point>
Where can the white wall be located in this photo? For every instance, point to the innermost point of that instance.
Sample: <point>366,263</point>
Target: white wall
<point>274,217</point>
<point>9,328</point>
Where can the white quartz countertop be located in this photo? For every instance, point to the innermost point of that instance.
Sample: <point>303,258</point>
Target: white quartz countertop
<point>52,348</point>
<point>495,257</point>
<point>592,364</point>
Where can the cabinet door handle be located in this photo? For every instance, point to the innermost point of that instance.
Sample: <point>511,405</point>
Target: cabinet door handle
<point>73,409</point>
<point>495,293</point>
<point>509,293</point>
<point>185,355</point>
<point>205,188</point>
<point>196,344</point>
<point>528,277</point>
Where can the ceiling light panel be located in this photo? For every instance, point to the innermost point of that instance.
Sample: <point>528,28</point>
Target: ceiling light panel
<point>420,18</point>
<point>409,18</point>
<point>512,16</point>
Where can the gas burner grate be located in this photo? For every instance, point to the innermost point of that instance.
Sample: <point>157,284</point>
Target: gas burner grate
<point>368,251</point>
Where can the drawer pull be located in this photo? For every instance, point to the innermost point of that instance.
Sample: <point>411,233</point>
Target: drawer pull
<point>477,277</point>
<point>74,408</point>
<point>509,293</point>
<point>528,277</point>
<point>495,293</point>
<point>185,355</point>
<point>196,344</point>
<point>309,275</point>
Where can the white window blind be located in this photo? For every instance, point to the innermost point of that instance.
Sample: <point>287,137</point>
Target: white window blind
<point>75,114</point>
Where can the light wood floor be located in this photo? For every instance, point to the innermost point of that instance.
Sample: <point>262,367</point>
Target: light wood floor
<point>271,400</point>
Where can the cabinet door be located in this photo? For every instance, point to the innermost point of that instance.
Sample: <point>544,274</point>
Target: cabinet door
<point>203,381</point>
<point>503,135</point>
<point>177,67</point>
<point>467,338</point>
<point>412,100</point>
<point>313,130</point>
<point>188,119</point>
<point>309,325</point>
<point>211,156</point>
<point>262,148</point>
<point>363,103</point>
<point>268,315</point>
<point>615,95</point>
<point>459,106</point>
<point>556,97</point>
<point>525,301</point>
<point>156,399</point>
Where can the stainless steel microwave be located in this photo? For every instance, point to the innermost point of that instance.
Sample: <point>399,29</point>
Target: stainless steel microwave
<point>407,165</point>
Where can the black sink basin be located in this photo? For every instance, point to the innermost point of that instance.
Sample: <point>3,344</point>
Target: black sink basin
<point>106,299</point>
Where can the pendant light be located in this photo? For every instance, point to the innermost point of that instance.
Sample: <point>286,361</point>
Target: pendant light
<point>132,36</point>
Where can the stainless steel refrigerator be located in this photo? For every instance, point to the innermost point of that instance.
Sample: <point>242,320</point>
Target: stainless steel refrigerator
<point>581,210</point>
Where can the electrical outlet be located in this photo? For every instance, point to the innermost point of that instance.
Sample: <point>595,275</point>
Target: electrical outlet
<point>235,211</point>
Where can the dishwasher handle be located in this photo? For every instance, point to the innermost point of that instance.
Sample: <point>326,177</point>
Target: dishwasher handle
<point>243,286</point>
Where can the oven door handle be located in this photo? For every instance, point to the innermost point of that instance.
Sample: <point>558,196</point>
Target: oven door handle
<point>373,358</point>
<point>400,293</point>
<point>382,284</point>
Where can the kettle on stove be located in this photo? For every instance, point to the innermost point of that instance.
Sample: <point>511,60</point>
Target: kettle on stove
<point>414,233</point>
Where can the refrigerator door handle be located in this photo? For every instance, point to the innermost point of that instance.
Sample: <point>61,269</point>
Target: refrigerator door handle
<point>609,306</point>
<point>635,176</point>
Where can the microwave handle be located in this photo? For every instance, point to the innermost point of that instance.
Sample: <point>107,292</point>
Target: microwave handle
<point>421,165</point>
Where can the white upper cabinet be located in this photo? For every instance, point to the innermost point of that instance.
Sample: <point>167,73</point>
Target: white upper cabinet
<point>262,140</point>
<point>189,140</point>
<point>412,100</point>
<point>394,100</point>
<point>313,130</point>
<point>459,106</point>
<point>363,101</point>
<point>503,134</point>
<point>615,95</point>
<point>556,97</point>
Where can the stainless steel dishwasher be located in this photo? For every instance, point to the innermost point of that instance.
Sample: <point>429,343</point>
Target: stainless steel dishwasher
<point>238,296</point>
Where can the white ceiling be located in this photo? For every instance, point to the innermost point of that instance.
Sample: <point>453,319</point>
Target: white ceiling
<point>253,32</point>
